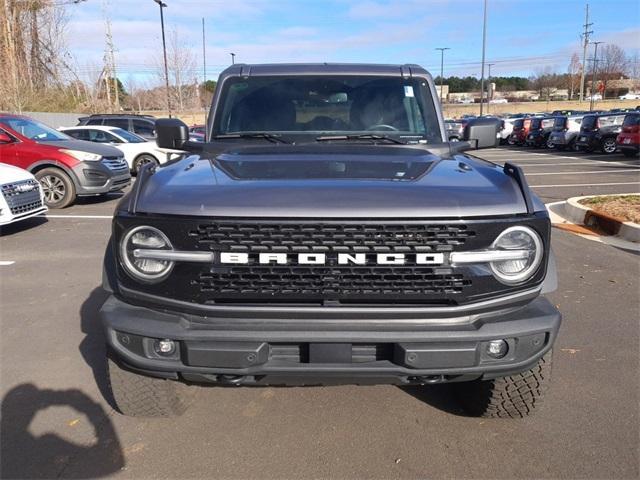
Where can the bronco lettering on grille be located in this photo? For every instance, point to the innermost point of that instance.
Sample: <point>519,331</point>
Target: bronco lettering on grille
<point>340,258</point>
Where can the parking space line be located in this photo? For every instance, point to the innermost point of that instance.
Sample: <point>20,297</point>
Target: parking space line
<point>585,172</point>
<point>76,216</point>
<point>585,185</point>
<point>570,163</point>
<point>6,263</point>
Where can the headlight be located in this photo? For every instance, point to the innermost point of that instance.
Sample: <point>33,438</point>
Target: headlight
<point>135,243</point>
<point>526,247</point>
<point>82,156</point>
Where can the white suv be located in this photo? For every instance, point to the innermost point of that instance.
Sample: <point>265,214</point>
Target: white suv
<point>21,195</point>
<point>137,150</point>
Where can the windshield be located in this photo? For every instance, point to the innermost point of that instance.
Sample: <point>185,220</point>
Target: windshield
<point>535,123</point>
<point>128,136</point>
<point>337,105</point>
<point>35,130</point>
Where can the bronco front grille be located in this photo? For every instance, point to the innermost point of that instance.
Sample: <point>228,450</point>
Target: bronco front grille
<point>332,282</point>
<point>329,282</point>
<point>364,238</point>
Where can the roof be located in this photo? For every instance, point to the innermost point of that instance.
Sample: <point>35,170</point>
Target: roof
<point>106,128</point>
<point>324,68</point>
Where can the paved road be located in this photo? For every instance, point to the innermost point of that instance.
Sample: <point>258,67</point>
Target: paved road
<point>56,423</point>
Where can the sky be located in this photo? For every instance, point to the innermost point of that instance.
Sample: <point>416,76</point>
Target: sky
<point>523,36</point>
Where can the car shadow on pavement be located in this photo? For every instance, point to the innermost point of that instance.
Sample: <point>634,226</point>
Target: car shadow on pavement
<point>93,345</point>
<point>22,225</point>
<point>443,397</point>
<point>24,454</point>
<point>98,199</point>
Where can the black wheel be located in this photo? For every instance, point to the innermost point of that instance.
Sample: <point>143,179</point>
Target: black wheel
<point>629,153</point>
<point>609,145</point>
<point>515,396</point>
<point>142,160</point>
<point>511,140</point>
<point>59,191</point>
<point>141,396</point>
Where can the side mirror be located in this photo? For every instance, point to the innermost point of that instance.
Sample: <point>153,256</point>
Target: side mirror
<point>4,138</point>
<point>483,132</point>
<point>171,133</point>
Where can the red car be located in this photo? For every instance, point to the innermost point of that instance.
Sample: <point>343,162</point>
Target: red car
<point>65,167</point>
<point>520,131</point>
<point>628,141</point>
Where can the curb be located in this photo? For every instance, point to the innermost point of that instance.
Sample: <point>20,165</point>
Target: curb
<point>582,215</point>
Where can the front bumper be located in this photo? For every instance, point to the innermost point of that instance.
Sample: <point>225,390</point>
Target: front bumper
<point>94,178</point>
<point>217,350</point>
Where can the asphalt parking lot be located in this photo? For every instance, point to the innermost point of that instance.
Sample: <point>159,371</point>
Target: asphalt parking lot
<point>57,423</point>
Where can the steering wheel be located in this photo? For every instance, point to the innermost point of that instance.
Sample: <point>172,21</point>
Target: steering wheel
<point>382,126</point>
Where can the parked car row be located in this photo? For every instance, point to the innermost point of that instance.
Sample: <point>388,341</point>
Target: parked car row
<point>607,132</point>
<point>95,157</point>
<point>66,168</point>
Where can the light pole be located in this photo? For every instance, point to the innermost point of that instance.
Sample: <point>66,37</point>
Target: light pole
<point>162,5</point>
<point>489,86</point>
<point>233,58</point>
<point>484,44</point>
<point>593,74</point>
<point>442,49</point>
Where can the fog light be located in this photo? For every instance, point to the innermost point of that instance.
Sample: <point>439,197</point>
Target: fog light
<point>497,348</point>
<point>164,347</point>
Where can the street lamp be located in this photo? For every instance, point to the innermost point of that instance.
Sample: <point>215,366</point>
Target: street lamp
<point>162,5</point>
<point>489,86</point>
<point>442,49</point>
<point>233,58</point>
<point>593,74</point>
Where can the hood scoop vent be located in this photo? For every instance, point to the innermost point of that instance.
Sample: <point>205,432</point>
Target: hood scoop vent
<point>320,169</point>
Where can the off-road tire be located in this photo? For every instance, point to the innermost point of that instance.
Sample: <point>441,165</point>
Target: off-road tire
<point>515,396</point>
<point>59,190</point>
<point>141,396</point>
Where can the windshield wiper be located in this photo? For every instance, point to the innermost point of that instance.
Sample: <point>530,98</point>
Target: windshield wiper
<point>267,136</point>
<point>362,136</point>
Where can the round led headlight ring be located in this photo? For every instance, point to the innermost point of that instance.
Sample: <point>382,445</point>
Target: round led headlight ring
<point>142,267</point>
<point>516,271</point>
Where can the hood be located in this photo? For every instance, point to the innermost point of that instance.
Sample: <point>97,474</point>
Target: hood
<point>331,182</point>
<point>84,146</point>
<point>10,174</point>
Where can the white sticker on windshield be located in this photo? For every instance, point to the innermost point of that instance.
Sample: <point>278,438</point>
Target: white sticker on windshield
<point>408,91</point>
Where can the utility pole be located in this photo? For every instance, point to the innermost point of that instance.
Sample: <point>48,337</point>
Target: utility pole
<point>204,79</point>
<point>484,45</point>
<point>162,5</point>
<point>442,49</point>
<point>111,58</point>
<point>585,43</point>
<point>593,73</point>
<point>489,90</point>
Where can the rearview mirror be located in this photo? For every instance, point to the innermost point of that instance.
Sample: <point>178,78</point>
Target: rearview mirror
<point>171,133</point>
<point>483,132</point>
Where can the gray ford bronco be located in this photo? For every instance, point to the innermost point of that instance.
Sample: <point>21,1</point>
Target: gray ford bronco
<point>327,233</point>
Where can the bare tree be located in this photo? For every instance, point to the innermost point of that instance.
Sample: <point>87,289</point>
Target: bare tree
<point>612,64</point>
<point>573,74</point>
<point>181,65</point>
<point>545,81</point>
